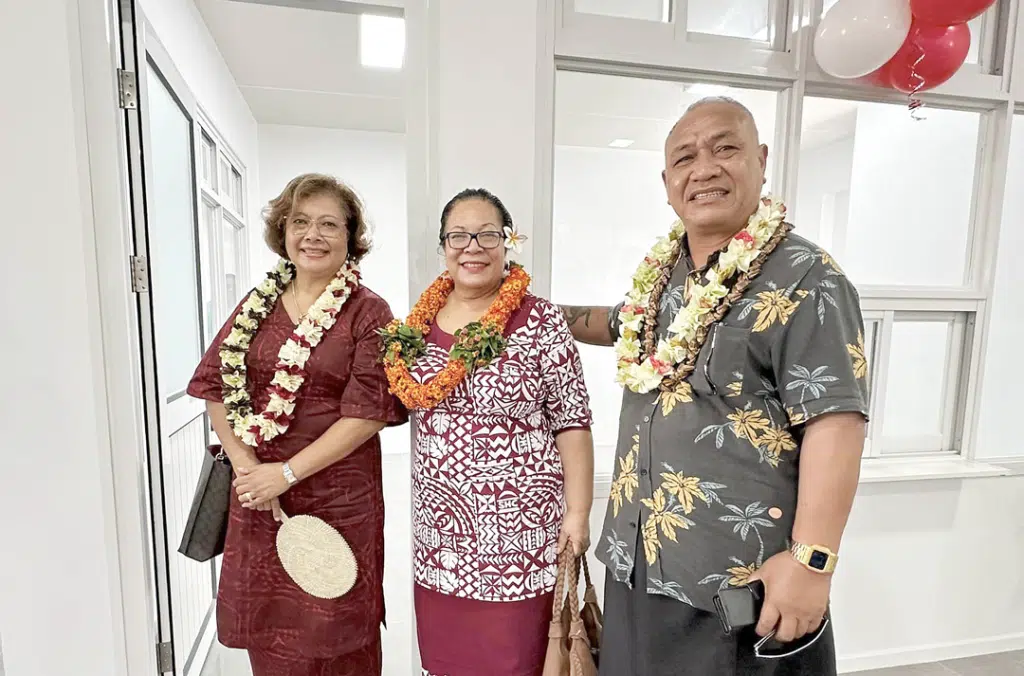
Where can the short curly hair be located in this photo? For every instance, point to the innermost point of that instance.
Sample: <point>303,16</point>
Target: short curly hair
<point>306,185</point>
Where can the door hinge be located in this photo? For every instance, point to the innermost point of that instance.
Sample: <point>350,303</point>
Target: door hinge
<point>165,658</point>
<point>126,89</point>
<point>140,274</point>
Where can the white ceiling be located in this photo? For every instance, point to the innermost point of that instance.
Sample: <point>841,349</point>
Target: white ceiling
<point>301,67</point>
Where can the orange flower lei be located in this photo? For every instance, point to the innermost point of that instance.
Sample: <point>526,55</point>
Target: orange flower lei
<point>476,344</point>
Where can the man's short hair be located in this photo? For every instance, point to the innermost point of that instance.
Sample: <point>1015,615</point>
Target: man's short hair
<point>720,100</point>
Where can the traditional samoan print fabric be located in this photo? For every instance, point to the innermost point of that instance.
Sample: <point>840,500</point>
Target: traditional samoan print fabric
<point>487,478</point>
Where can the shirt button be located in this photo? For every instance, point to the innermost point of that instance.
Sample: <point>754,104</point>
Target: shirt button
<point>643,472</point>
<point>632,524</point>
<point>647,418</point>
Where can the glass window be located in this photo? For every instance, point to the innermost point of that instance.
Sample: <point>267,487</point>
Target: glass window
<point>211,318</point>
<point>608,195</point>
<point>207,160</point>
<point>869,174</point>
<point>976,26</point>
<point>230,265</point>
<point>872,330</point>
<point>172,245</point>
<point>734,18</point>
<point>999,415</point>
<point>923,372</point>
<point>225,184</point>
<point>236,190</point>
<point>647,10</point>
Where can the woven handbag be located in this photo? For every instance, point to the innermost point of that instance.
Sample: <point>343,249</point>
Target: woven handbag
<point>207,523</point>
<point>575,636</point>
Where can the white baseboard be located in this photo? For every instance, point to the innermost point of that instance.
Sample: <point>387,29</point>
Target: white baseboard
<point>931,653</point>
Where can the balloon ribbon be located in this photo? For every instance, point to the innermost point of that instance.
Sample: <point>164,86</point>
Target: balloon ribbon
<point>915,104</point>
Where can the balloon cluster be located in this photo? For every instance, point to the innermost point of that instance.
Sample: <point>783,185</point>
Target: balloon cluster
<point>907,45</point>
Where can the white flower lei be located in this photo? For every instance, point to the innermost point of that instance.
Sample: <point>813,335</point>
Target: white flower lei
<point>646,374</point>
<point>252,428</point>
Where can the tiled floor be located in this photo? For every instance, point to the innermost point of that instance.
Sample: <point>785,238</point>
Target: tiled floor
<point>226,662</point>
<point>1001,664</point>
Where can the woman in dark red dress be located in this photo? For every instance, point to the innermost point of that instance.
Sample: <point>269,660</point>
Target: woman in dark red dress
<point>313,449</point>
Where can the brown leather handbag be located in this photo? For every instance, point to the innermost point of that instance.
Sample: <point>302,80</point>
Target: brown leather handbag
<point>575,634</point>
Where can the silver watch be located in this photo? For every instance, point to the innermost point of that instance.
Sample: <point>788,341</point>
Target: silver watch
<point>289,475</point>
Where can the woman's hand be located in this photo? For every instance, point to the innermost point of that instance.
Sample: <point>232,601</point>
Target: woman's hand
<point>575,529</point>
<point>272,506</point>
<point>260,484</point>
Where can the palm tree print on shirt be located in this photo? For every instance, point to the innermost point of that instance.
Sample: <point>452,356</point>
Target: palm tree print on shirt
<point>745,521</point>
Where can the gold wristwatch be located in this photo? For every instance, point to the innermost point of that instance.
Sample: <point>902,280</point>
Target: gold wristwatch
<point>815,557</point>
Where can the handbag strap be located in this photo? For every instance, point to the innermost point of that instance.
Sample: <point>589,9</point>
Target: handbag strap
<point>586,570</point>
<point>567,586</point>
<point>572,583</point>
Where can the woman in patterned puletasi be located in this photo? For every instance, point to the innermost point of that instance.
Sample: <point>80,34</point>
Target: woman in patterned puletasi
<point>327,460</point>
<point>503,468</point>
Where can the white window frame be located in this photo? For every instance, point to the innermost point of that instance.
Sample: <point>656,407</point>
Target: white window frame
<point>219,197</point>
<point>665,50</point>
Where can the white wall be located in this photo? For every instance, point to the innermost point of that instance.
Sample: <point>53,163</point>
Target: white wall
<point>59,589</point>
<point>180,28</point>
<point>486,116</point>
<point>824,170</point>
<point>371,163</point>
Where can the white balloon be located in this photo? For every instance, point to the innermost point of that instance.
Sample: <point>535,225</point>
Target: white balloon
<point>857,37</point>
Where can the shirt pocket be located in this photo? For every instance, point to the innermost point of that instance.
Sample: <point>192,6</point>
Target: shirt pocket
<point>722,361</point>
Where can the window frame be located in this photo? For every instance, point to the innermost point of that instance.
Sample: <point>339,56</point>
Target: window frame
<point>636,48</point>
<point>222,201</point>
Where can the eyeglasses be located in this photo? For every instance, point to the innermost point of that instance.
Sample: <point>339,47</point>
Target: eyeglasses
<point>328,229</point>
<point>488,239</point>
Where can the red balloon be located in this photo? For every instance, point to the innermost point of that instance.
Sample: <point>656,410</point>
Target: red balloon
<point>948,12</point>
<point>941,51</point>
<point>879,78</point>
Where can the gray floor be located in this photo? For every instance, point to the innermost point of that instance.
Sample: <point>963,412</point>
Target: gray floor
<point>224,662</point>
<point>1000,664</point>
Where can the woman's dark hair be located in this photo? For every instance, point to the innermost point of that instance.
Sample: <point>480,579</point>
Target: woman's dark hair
<point>474,194</point>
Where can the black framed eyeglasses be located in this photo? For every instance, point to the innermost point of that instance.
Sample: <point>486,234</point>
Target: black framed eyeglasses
<point>488,239</point>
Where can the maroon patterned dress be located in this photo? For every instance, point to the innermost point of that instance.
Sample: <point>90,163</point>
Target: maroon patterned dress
<point>488,498</point>
<point>287,631</point>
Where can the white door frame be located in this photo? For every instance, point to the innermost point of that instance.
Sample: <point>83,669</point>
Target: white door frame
<point>119,394</point>
<point>106,50</point>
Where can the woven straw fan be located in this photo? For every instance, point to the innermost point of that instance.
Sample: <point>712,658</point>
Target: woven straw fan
<point>316,556</point>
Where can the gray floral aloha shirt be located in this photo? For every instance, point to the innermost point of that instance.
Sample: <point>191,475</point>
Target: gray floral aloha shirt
<point>705,485</point>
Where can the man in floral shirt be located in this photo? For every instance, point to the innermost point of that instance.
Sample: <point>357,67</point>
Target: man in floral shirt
<point>741,346</point>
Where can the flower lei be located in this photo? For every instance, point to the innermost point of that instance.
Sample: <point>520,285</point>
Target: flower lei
<point>665,364</point>
<point>252,428</point>
<point>476,344</point>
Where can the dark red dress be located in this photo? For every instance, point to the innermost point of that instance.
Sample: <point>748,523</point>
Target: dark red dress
<point>287,631</point>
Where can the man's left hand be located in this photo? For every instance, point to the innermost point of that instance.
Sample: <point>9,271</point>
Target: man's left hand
<point>795,598</point>
<point>260,484</point>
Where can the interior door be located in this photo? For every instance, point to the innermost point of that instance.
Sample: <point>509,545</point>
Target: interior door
<point>162,143</point>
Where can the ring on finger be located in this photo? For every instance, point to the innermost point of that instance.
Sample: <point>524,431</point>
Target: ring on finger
<point>248,497</point>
